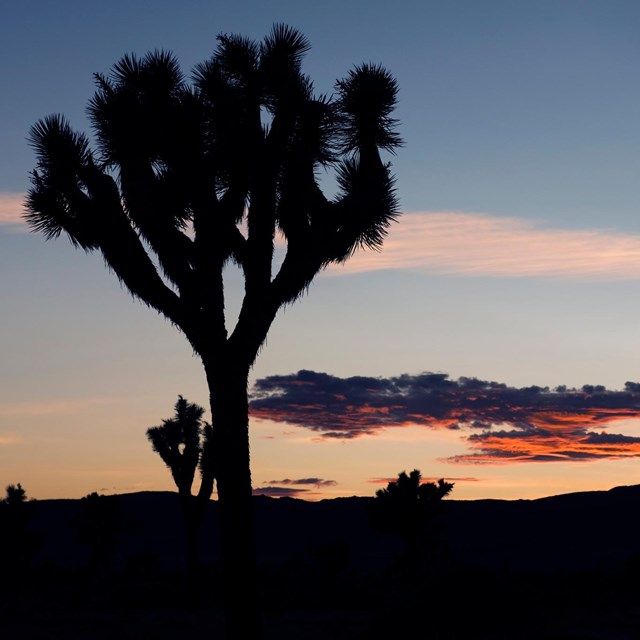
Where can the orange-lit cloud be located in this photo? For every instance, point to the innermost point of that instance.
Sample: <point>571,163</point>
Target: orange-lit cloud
<point>476,244</point>
<point>535,445</point>
<point>507,424</point>
<point>11,208</point>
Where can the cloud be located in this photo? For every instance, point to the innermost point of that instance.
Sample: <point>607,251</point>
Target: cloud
<point>316,482</point>
<point>53,407</point>
<point>427,479</point>
<point>9,439</point>
<point>292,487</point>
<point>472,244</point>
<point>138,486</point>
<point>11,209</point>
<point>278,492</point>
<point>539,445</point>
<point>507,424</point>
<point>476,244</point>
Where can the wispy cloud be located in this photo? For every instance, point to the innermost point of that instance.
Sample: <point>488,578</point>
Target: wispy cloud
<point>9,439</point>
<point>472,244</point>
<point>476,244</point>
<point>427,479</point>
<point>53,407</point>
<point>507,424</point>
<point>11,208</point>
<point>137,486</point>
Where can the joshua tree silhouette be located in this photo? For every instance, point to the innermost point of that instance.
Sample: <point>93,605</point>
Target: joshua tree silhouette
<point>16,538</point>
<point>179,171</point>
<point>408,506</point>
<point>15,496</point>
<point>184,444</point>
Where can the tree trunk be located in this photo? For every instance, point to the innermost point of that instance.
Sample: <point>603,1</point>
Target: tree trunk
<point>230,421</point>
<point>191,539</point>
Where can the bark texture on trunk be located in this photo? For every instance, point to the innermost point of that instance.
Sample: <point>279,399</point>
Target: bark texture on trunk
<point>230,421</point>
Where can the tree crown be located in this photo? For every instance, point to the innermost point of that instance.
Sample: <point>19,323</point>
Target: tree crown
<point>187,175</point>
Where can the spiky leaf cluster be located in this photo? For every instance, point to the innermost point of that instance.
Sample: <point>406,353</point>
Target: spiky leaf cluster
<point>407,504</point>
<point>187,174</point>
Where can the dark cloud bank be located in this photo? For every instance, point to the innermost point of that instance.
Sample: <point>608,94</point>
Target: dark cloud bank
<point>292,488</point>
<point>508,424</point>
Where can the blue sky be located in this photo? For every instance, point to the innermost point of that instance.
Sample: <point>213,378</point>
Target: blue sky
<point>518,261</point>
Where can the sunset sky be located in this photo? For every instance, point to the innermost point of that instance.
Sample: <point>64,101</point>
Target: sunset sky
<point>495,340</point>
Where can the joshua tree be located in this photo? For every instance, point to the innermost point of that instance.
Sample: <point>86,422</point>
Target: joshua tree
<point>15,496</point>
<point>16,538</point>
<point>187,177</point>
<point>183,443</point>
<point>408,507</point>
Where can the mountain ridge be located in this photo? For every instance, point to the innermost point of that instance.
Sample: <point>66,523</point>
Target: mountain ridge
<point>571,531</point>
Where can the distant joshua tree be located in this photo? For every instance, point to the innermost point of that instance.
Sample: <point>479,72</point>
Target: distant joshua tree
<point>16,496</point>
<point>184,444</point>
<point>189,176</point>
<point>16,539</point>
<point>408,506</point>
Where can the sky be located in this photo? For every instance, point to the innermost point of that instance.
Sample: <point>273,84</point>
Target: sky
<point>494,341</point>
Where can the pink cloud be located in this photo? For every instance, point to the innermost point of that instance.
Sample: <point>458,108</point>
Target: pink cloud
<point>53,407</point>
<point>9,439</point>
<point>476,244</point>
<point>11,208</point>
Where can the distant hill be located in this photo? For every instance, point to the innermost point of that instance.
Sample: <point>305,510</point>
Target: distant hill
<point>560,568</point>
<point>596,530</point>
<point>592,530</point>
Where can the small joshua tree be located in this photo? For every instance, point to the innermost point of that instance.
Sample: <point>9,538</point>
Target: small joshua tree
<point>408,506</point>
<point>16,495</point>
<point>16,538</point>
<point>184,444</point>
